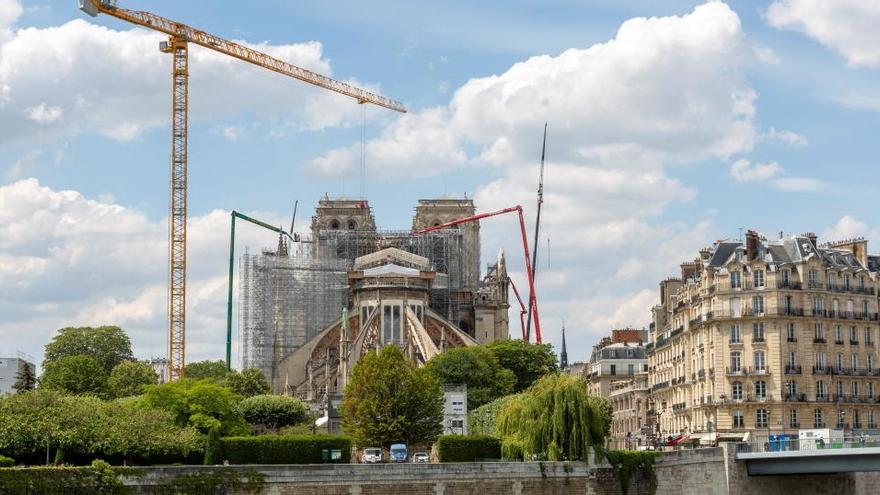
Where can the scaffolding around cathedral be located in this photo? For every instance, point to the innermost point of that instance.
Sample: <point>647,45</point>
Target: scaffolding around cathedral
<point>286,299</point>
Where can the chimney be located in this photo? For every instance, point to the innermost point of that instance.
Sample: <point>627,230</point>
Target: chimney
<point>751,245</point>
<point>813,238</point>
<point>705,254</point>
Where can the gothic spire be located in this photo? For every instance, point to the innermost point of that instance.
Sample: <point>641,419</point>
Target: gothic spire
<point>563,356</point>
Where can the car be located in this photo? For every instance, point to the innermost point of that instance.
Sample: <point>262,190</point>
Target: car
<point>397,452</point>
<point>421,458</point>
<point>372,455</point>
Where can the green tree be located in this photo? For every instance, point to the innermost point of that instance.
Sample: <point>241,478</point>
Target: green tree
<point>248,383</point>
<point>390,400</point>
<point>109,345</point>
<point>475,367</point>
<point>527,361</point>
<point>74,374</point>
<point>200,370</point>
<point>554,419</point>
<point>130,377</point>
<point>269,413</point>
<point>203,404</point>
<point>25,379</point>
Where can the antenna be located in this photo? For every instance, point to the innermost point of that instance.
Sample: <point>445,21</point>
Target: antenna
<point>537,226</point>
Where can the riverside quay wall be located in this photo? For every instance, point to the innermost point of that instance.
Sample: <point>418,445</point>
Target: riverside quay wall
<point>712,471</point>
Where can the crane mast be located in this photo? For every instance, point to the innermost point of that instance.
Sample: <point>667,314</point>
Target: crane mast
<point>180,35</point>
<point>537,227</point>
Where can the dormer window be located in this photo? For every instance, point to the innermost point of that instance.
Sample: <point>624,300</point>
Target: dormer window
<point>735,280</point>
<point>846,281</point>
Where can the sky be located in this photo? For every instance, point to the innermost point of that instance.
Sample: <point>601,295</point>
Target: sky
<point>672,124</point>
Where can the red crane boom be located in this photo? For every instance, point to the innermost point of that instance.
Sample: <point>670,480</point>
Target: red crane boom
<point>533,302</point>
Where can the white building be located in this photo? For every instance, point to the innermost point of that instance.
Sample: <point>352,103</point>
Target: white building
<point>160,366</point>
<point>9,368</point>
<point>455,410</point>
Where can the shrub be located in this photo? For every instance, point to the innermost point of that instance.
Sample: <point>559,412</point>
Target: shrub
<point>99,478</point>
<point>464,448</point>
<point>278,449</point>
<point>6,461</point>
<point>626,462</point>
<point>213,449</point>
<point>271,412</point>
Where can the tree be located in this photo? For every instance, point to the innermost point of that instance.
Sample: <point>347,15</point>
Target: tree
<point>554,419</point>
<point>389,400</point>
<point>25,379</point>
<point>248,383</point>
<point>475,367</point>
<point>272,412</point>
<point>203,404</point>
<point>75,375</point>
<point>130,377</point>
<point>527,361</point>
<point>109,345</point>
<point>200,370</point>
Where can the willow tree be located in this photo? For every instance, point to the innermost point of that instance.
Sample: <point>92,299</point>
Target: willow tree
<point>554,419</point>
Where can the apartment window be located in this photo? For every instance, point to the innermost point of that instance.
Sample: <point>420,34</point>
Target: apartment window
<point>758,278</point>
<point>735,280</point>
<point>818,331</point>
<point>761,418</point>
<point>855,389</point>
<point>820,359</point>
<point>869,336</point>
<point>736,391</point>
<point>818,418</point>
<point>855,361</point>
<point>846,281</point>
<point>841,418</point>
<point>612,353</point>
<point>791,387</point>
<point>758,304</point>
<point>789,303</point>
<point>735,307</point>
<point>738,419</point>
<point>857,419</point>
<point>735,361</point>
<point>870,387</point>
<point>831,280</point>
<point>869,364</point>
<point>839,361</point>
<point>818,305</point>
<point>760,362</point>
<point>872,419</point>
<point>865,308</point>
<point>785,277</point>
<point>839,389</point>
<point>391,324</point>
<point>613,369</point>
<point>734,334</point>
<point>758,332</point>
<point>853,337</point>
<point>790,332</point>
<point>792,418</point>
<point>792,359</point>
<point>813,277</point>
<point>838,333</point>
<point>821,390</point>
<point>761,389</point>
<point>631,369</point>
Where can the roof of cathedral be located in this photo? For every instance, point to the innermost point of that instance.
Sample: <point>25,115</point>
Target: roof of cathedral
<point>391,256</point>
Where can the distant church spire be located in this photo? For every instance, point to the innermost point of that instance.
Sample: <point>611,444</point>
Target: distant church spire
<point>563,356</point>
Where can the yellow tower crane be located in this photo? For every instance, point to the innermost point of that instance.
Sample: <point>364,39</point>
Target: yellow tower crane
<point>180,36</point>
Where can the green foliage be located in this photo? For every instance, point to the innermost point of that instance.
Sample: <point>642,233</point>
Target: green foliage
<point>527,361</point>
<point>34,424</point>
<point>109,345</point>
<point>222,480</point>
<point>130,377</point>
<point>99,478</point>
<point>6,461</point>
<point>278,449</point>
<point>213,449</point>
<point>25,379</point>
<point>271,412</point>
<point>203,404</point>
<point>467,448</point>
<point>75,374</point>
<point>628,462</point>
<point>200,370</point>
<point>476,367</point>
<point>554,419</point>
<point>248,383</point>
<point>484,419</point>
<point>389,400</point>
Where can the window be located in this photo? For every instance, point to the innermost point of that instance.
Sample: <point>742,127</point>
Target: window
<point>865,308</point>
<point>872,419</point>
<point>758,304</point>
<point>735,307</point>
<point>736,391</point>
<point>735,280</point>
<point>839,389</point>
<point>869,336</point>
<point>790,332</point>
<point>391,324</point>
<point>761,389</point>
<point>791,387</point>
<point>758,278</point>
<point>760,362</point>
<point>861,282</point>
<point>352,225</point>
<point>821,390</point>
<point>818,419</point>
<point>818,331</point>
<point>631,369</point>
<point>786,279</point>
<point>792,418</point>
<point>612,353</point>
<point>818,305</point>
<point>855,361</point>
<point>870,389</point>
<point>813,277</point>
<point>838,334</point>
<point>869,363</point>
<point>841,418</point>
<point>857,419</point>
<point>820,360</point>
<point>738,419</point>
<point>839,361</point>
<point>846,281</point>
<point>831,280</point>
<point>613,369</point>
<point>758,332</point>
<point>761,418</point>
<point>855,389</point>
<point>734,334</point>
<point>792,359</point>
<point>735,361</point>
<point>853,336</point>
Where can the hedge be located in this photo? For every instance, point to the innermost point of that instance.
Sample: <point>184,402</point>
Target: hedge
<point>6,461</point>
<point>99,478</point>
<point>283,449</point>
<point>468,448</point>
<point>627,462</point>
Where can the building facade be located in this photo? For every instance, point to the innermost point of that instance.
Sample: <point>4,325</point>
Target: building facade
<point>620,356</point>
<point>767,336</point>
<point>9,369</point>
<point>630,404</point>
<point>455,410</point>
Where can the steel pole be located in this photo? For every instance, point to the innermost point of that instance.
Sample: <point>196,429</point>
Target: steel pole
<point>229,294</point>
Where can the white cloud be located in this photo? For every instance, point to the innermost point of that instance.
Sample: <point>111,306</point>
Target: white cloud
<point>847,26</point>
<point>784,136</point>
<point>743,171</point>
<point>116,83</point>
<point>799,184</point>
<point>848,227</point>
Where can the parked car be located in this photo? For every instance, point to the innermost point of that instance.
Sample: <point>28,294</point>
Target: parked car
<point>398,452</point>
<point>372,455</point>
<point>421,458</point>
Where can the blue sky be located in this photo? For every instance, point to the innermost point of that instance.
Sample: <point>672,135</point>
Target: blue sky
<point>672,124</point>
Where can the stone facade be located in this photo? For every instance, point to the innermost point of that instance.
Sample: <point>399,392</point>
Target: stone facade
<point>767,336</point>
<point>630,404</point>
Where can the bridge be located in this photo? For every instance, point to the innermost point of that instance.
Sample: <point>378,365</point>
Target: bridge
<point>799,458</point>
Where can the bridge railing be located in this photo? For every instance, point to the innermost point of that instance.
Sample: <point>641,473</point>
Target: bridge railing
<point>781,443</point>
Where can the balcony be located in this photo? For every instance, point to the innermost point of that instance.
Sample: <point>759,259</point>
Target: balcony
<point>736,341</point>
<point>819,340</point>
<point>680,406</point>
<point>871,426</point>
<point>818,424</point>
<point>758,340</point>
<point>791,369</point>
<point>753,370</point>
<point>791,339</point>
<point>795,397</point>
<point>823,398</point>
<point>791,311</point>
<point>676,331</point>
<point>838,342</point>
<point>863,290</point>
<point>701,374</point>
<point>756,398</point>
<point>788,284</point>
<point>853,342</point>
<point>659,386</point>
<point>822,370</point>
<point>815,285</point>
<point>736,371</point>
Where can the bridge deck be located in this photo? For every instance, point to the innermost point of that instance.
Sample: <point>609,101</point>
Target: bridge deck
<point>839,460</point>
